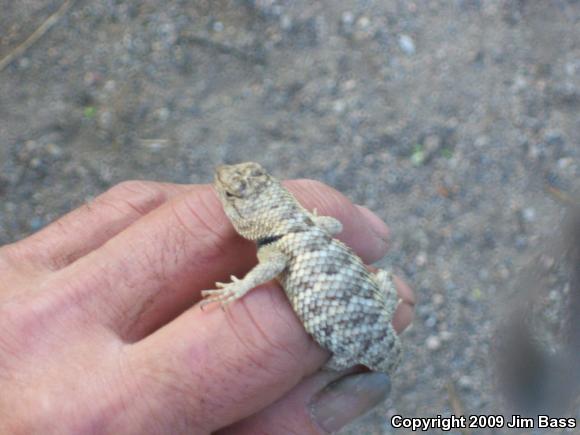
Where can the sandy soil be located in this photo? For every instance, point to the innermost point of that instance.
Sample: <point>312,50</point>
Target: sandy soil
<point>453,120</point>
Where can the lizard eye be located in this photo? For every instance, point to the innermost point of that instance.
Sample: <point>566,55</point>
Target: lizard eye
<point>257,172</point>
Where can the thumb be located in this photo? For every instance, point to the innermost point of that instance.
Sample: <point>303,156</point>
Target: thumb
<point>322,403</point>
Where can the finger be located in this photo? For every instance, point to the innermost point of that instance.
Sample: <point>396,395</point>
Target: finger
<point>227,365</point>
<point>89,226</point>
<point>224,365</point>
<point>156,268</point>
<point>321,404</point>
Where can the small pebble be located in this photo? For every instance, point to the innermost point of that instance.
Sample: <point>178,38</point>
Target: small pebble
<point>446,335</point>
<point>163,114</point>
<point>54,150</point>
<point>347,18</point>
<point>339,106</point>
<point>529,214</point>
<point>431,322</point>
<point>438,299</point>
<point>433,343</point>
<point>285,22</point>
<point>363,22</point>
<point>565,162</point>
<point>465,382</point>
<point>36,223</point>
<point>407,44</point>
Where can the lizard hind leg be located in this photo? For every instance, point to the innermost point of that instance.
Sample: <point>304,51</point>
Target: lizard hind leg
<point>329,224</point>
<point>384,356</point>
<point>387,293</point>
<point>337,363</point>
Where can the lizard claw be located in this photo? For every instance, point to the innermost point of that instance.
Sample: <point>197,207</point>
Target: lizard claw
<point>224,294</point>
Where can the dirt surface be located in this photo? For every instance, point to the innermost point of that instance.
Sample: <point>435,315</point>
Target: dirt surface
<point>453,120</point>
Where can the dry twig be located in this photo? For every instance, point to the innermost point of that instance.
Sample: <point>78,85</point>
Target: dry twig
<point>36,35</point>
<point>456,404</point>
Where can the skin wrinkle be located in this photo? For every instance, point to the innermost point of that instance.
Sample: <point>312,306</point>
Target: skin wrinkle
<point>148,303</point>
<point>18,258</point>
<point>89,291</point>
<point>128,323</point>
<point>101,287</point>
<point>10,344</point>
<point>127,371</point>
<point>198,395</point>
<point>144,196</point>
<point>204,206</point>
<point>182,397</point>
<point>247,342</point>
<point>236,366</point>
<point>206,404</point>
<point>129,200</point>
<point>130,332</point>
<point>276,296</point>
<point>278,347</point>
<point>93,416</point>
<point>38,315</point>
<point>243,374</point>
<point>209,254</point>
<point>130,328</point>
<point>235,371</point>
<point>218,243</point>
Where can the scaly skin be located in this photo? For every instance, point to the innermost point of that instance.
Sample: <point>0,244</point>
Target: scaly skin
<point>343,306</point>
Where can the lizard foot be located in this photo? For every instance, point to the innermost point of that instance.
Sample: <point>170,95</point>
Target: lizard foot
<point>226,293</point>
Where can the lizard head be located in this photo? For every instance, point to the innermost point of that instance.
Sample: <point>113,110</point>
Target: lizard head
<point>243,181</point>
<point>246,191</point>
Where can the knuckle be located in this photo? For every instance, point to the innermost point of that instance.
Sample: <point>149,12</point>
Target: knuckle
<point>164,384</point>
<point>18,328</point>
<point>15,254</point>
<point>200,219</point>
<point>131,187</point>
<point>137,195</point>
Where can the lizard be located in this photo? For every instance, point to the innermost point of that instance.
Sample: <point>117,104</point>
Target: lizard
<point>345,308</point>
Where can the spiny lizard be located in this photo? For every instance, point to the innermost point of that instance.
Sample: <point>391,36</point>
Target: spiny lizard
<point>346,308</point>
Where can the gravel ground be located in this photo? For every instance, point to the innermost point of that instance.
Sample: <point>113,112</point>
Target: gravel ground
<point>453,120</point>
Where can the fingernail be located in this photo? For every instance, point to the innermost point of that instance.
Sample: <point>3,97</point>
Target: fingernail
<point>377,225</point>
<point>343,400</point>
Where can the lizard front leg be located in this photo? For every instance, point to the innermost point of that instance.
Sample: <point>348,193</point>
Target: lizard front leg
<point>329,224</point>
<point>269,267</point>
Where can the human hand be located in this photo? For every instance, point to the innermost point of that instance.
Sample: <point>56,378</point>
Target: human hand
<point>98,335</point>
